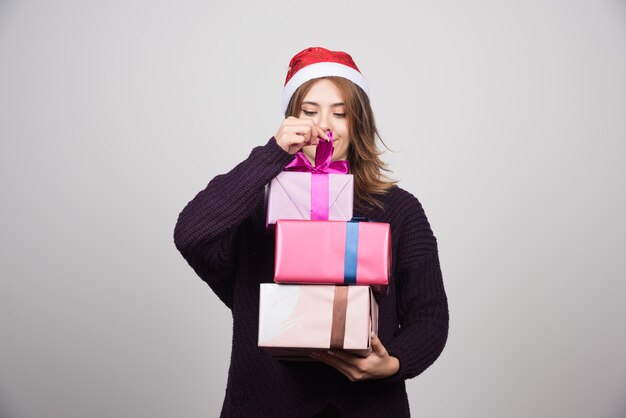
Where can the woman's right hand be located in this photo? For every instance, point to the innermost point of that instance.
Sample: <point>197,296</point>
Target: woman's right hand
<point>295,133</point>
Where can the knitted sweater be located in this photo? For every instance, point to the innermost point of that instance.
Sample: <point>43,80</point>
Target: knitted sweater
<point>221,234</point>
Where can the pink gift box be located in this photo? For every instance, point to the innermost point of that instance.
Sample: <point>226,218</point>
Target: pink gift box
<point>295,320</point>
<point>325,252</point>
<point>289,196</point>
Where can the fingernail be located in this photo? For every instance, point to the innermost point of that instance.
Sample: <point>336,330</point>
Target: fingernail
<point>330,352</point>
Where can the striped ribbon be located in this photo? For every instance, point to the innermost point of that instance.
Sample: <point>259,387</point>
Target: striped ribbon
<point>352,250</point>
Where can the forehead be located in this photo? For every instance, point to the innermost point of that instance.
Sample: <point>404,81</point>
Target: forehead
<point>323,92</point>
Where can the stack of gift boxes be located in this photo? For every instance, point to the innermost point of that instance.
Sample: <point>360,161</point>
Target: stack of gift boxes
<point>327,263</point>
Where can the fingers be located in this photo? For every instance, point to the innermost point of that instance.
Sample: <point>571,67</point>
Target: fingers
<point>351,371</point>
<point>377,346</point>
<point>305,127</point>
<point>321,133</point>
<point>377,365</point>
<point>315,130</point>
<point>345,356</point>
<point>295,133</point>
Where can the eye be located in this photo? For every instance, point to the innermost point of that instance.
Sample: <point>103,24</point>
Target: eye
<point>340,115</point>
<point>307,113</point>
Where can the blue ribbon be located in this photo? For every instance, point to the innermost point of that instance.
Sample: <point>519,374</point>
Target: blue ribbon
<point>352,250</point>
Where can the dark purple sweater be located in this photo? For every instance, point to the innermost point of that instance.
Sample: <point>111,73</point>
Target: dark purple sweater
<point>221,233</point>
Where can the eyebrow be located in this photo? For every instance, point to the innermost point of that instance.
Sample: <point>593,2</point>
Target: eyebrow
<point>332,105</point>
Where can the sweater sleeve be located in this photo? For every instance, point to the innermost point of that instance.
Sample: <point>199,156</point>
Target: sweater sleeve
<point>206,230</point>
<point>421,299</point>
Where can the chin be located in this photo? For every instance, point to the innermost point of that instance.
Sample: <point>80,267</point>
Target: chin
<point>309,151</point>
<point>338,157</point>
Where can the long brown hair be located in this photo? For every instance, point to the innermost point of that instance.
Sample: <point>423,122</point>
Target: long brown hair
<point>363,154</point>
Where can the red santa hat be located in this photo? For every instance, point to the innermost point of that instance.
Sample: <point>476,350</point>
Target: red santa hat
<point>317,62</point>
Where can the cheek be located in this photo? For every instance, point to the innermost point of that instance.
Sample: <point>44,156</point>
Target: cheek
<point>341,150</point>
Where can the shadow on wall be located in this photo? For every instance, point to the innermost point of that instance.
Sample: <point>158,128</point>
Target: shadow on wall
<point>7,9</point>
<point>5,411</point>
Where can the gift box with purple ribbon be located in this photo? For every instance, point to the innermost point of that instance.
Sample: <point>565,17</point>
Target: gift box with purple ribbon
<point>295,320</point>
<point>303,191</point>
<point>333,252</point>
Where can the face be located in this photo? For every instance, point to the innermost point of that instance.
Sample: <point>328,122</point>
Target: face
<point>324,104</point>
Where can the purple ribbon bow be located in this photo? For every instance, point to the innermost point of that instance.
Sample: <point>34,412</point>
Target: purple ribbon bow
<point>319,175</point>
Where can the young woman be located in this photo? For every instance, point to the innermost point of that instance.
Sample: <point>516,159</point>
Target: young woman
<point>221,233</point>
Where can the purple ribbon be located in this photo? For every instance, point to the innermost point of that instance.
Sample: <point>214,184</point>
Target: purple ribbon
<point>319,175</point>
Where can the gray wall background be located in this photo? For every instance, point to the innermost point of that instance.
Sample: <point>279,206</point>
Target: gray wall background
<point>508,119</point>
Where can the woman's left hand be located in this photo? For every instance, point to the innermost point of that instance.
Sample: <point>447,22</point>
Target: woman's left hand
<point>378,365</point>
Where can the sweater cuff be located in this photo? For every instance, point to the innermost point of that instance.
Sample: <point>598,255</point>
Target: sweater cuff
<point>399,375</point>
<point>275,152</point>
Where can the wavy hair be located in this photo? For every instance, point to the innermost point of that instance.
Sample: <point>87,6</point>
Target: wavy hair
<point>369,171</point>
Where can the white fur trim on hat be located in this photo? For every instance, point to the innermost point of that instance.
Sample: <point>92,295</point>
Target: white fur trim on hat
<point>322,69</point>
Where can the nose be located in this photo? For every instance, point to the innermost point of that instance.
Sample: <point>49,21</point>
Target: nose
<point>324,121</point>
